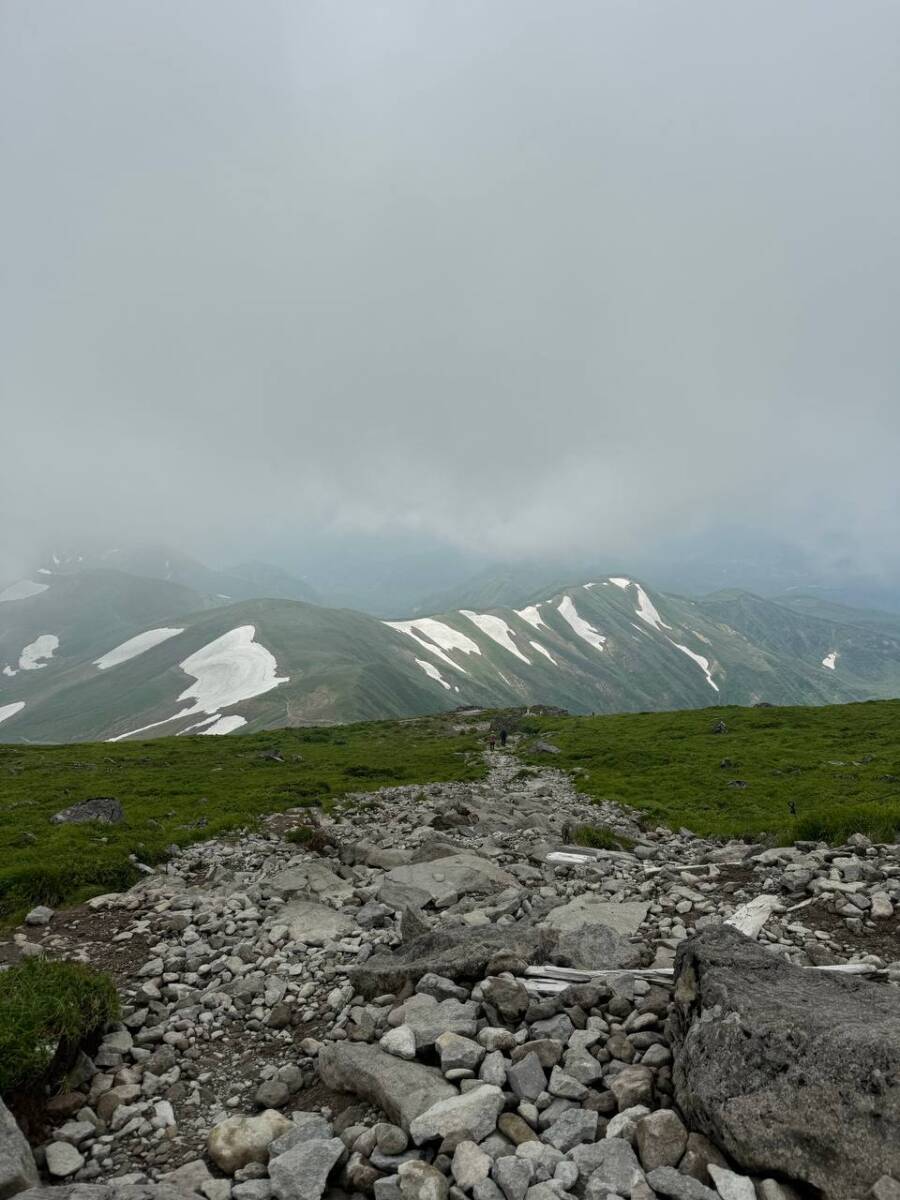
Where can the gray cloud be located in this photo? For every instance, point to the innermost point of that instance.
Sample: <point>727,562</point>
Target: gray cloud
<point>535,276</point>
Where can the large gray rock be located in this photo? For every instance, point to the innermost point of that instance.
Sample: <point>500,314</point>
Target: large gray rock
<point>309,879</point>
<point>402,1090</point>
<point>312,923</point>
<point>428,1019</point>
<point>789,1070</point>
<point>104,809</point>
<point>438,882</point>
<point>302,1173</point>
<point>470,1117</point>
<point>607,1166</point>
<point>593,933</point>
<point>17,1167</point>
<point>456,953</point>
<point>237,1141</point>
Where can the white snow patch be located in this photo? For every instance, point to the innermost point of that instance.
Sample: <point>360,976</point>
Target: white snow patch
<point>532,615</point>
<point>584,630</point>
<point>22,590</point>
<point>43,571</point>
<point>7,670</point>
<point>226,724</point>
<point>646,609</point>
<point>703,639</point>
<point>431,670</point>
<point>543,650</point>
<point>10,710</point>
<point>830,659</point>
<point>442,637</point>
<point>701,662</point>
<point>134,646</point>
<point>41,648</point>
<point>587,586</point>
<point>496,629</point>
<point>232,668</point>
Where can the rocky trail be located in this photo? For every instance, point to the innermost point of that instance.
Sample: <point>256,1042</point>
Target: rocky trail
<point>440,996</point>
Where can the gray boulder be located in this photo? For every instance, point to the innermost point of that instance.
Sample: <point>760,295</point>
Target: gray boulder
<point>302,1173</point>
<point>592,933</point>
<point>17,1167</point>
<point>789,1070</point>
<point>104,809</point>
<point>470,1117</point>
<point>403,1090</point>
<point>440,881</point>
<point>312,923</point>
<point>456,953</point>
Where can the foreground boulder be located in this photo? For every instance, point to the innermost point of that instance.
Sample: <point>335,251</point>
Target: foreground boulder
<point>789,1070</point>
<point>237,1141</point>
<point>403,1090</point>
<point>593,933</point>
<point>17,1166</point>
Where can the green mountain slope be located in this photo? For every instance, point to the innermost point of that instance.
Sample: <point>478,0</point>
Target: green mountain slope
<point>202,665</point>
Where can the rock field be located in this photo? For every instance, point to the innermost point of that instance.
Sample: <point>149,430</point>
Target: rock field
<point>445,999</point>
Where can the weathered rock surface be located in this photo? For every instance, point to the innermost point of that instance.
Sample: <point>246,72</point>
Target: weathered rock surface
<point>17,1166</point>
<point>442,880</point>
<point>104,809</point>
<point>591,932</point>
<point>788,1070</point>
<point>403,1090</point>
<point>237,1141</point>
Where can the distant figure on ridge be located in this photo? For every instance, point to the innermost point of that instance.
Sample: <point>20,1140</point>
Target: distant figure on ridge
<point>503,737</point>
<point>492,740</point>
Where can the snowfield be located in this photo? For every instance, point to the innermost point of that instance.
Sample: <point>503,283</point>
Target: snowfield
<point>830,659</point>
<point>42,648</point>
<point>532,615</point>
<point>431,670</point>
<point>134,646</point>
<point>543,650</point>
<point>701,662</point>
<point>584,630</point>
<point>226,724</point>
<point>10,710</point>
<point>646,609</point>
<point>22,590</point>
<point>497,630</point>
<point>232,668</point>
<point>436,637</point>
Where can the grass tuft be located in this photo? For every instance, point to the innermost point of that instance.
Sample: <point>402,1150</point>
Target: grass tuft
<point>47,1010</point>
<point>599,837</point>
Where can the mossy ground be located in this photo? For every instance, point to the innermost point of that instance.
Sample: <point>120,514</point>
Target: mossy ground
<point>838,766</point>
<point>181,790</point>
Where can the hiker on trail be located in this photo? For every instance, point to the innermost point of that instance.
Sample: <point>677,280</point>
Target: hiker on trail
<point>492,741</point>
<point>503,737</point>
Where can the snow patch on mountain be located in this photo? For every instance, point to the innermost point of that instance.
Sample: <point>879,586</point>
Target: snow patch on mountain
<point>10,710</point>
<point>226,724</point>
<point>646,609</point>
<point>532,615</point>
<point>830,659</point>
<point>433,673</point>
<point>436,637</point>
<point>7,670</point>
<point>583,628</point>
<point>701,662</point>
<point>232,668</point>
<point>543,650</point>
<point>42,648</point>
<point>134,646</point>
<point>496,629</point>
<point>23,590</point>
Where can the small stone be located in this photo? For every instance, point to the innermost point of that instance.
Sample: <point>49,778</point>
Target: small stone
<point>419,1181</point>
<point>302,1173</point>
<point>513,1176</point>
<point>390,1139</point>
<point>470,1165</point>
<point>41,915</point>
<point>526,1078</point>
<point>576,1125</point>
<point>731,1186</point>
<point>237,1141</point>
<point>63,1159</point>
<point>672,1185</point>
<point>469,1117</point>
<point>661,1139</point>
<point>272,1094</point>
<point>517,1129</point>
<point>401,1042</point>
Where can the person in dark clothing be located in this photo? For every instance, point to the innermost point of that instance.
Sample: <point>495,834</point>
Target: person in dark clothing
<point>503,737</point>
<point>492,741</point>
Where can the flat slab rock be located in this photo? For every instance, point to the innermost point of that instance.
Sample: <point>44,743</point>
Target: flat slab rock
<point>313,923</point>
<point>592,934</point>
<point>442,880</point>
<point>403,1090</point>
<point>790,1071</point>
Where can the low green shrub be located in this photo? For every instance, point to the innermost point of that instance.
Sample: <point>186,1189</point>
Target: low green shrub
<point>598,837</point>
<point>47,1009</point>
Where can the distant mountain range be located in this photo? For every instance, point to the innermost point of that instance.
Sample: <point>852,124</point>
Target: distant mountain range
<point>127,645</point>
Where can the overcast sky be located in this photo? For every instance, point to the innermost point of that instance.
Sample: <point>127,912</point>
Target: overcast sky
<point>523,276</point>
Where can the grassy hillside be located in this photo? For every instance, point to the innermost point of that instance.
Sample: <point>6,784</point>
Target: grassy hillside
<point>179,790</point>
<point>839,766</point>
